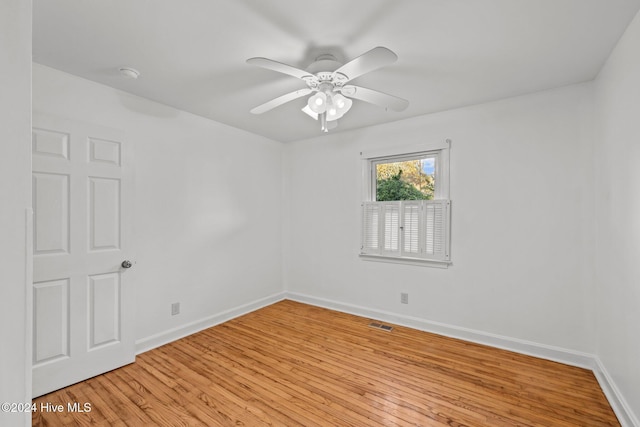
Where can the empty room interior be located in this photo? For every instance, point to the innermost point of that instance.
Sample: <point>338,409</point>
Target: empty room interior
<point>353,213</point>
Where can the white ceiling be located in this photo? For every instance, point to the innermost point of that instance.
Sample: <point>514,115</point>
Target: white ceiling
<point>452,53</point>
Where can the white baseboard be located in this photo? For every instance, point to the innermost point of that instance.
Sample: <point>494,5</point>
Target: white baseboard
<point>557,354</point>
<point>620,406</point>
<point>157,340</point>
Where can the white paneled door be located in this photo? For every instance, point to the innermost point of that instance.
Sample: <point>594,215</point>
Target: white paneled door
<point>82,290</point>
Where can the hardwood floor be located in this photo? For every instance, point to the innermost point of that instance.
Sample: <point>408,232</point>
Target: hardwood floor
<point>292,364</point>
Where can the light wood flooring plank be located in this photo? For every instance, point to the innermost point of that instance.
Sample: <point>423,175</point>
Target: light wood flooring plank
<point>292,364</point>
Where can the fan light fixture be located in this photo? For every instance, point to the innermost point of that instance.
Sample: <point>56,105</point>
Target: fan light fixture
<point>327,106</point>
<point>326,81</point>
<point>332,103</point>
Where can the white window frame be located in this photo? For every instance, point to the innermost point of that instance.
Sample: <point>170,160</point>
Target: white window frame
<point>438,150</point>
<point>436,154</point>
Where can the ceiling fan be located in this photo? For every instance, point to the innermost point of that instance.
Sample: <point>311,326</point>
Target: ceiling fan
<point>327,79</point>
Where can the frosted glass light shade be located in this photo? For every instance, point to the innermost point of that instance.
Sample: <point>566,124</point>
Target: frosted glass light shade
<point>339,101</point>
<point>339,106</point>
<point>318,103</point>
<point>327,107</point>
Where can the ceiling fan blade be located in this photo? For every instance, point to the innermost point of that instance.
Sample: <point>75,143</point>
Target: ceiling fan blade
<point>280,100</point>
<point>279,67</point>
<point>375,97</point>
<point>368,61</point>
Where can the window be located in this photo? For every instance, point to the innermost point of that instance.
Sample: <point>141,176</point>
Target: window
<point>406,207</point>
<point>404,177</point>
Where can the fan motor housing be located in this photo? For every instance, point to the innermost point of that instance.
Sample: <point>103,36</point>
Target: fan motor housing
<point>324,63</point>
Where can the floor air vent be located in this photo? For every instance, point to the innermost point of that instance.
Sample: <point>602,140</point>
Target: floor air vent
<point>381,326</point>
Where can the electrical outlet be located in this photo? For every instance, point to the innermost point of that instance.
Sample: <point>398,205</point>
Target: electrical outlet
<point>404,298</point>
<point>175,308</point>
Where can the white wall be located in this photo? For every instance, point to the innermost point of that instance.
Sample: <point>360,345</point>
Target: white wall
<point>522,246</point>
<point>15,199</point>
<point>617,162</point>
<point>533,258</point>
<point>208,216</point>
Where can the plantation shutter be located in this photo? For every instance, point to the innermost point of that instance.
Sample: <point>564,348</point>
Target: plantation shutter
<point>370,228</point>
<point>411,229</point>
<point>391,228</point>
<point>407,229</point>
<point>436,229</point>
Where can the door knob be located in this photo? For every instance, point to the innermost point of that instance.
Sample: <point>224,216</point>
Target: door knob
<point>126,264</point>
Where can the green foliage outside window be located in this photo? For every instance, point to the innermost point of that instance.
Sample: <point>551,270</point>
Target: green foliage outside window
<point>403,181</point>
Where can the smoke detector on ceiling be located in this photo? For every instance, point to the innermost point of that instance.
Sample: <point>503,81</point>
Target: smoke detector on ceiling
<point>129,73</point>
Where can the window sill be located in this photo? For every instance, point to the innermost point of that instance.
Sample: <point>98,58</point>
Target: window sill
<point>406,260</point>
